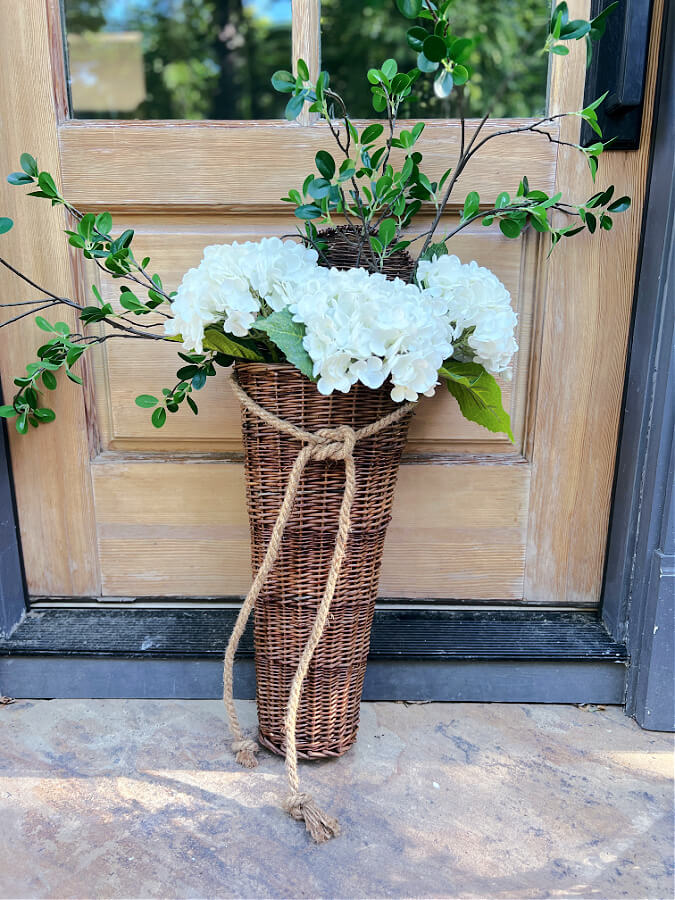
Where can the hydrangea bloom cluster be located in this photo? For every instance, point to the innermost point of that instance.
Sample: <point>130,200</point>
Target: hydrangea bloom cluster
<point>365,327</point>
<point>358,326</point>
<point>230,282</point>
<point>477,303</point>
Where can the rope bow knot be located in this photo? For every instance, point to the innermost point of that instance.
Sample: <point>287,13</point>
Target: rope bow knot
<point>336,443</point>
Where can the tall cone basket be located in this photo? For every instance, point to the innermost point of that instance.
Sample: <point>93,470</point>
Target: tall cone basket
<point>285,611</point>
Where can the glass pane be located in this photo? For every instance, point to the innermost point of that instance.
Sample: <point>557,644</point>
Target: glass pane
<point>177,59</point>
<point>510,77</point>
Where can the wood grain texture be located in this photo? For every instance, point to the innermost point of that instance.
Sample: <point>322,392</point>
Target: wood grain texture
<point>176,242</point>
<point>306,41</point>
<point>249,166</point>
<point>583,352</point>
<point>50,466</point>
<point>451,536</point>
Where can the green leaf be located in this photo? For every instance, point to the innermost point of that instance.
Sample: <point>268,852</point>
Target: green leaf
<point>47,185</point>
<point>416,36</point>
<point>325,164</point>
<point>146,401</point>
<point>574,30</point>
<point>460,75</point>
<point>287,335</point>
<point>29,164</point>
<point>7,412</point>
<point>158,418</point>
<point>460,49</point>
<point>471,205</point>
<point>303,70</point>
<point>369,134</point>
<point>319,188</point>
<point>424,65</point>
<point>409,8</point>
<point>387,231</point>
<point>73,377</point>
<point>560,15</point>
<point>478,395</point>
<point>22,423</point>
<point>434,48</point>
<point>294,106</point>
<point>42,323</point>
<point>283,81</point>
<point>435,250</point>
<point>49,380</point>
<point>620,205</point>
<point>593,166</point>
<point>560,50</point>
<point>193,406</point>
<point>19,178</point>
<point>599,23</point>
<point>509,228</point>
<point>224,343</point>
<point>443,84</point>
<point>44,414</point>
<point>389,68</point>
<point>103,222</point>
<point>308,211</point>
<point>502,200</point>
<point>130,301</point>
<point>86,225</point>
<point>5,224</point>
<point>62,328</point>
<point>400,83</point>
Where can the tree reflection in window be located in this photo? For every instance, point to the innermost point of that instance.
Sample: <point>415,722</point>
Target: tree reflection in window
<point>177,59</point>
<point>213,59</point>
<point>360,34</point>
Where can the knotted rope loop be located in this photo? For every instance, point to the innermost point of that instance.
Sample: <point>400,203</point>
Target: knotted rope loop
<point>333,443</point>
<point>337,444</point>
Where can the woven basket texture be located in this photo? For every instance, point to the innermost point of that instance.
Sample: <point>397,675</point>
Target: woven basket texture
<point>285,611</point>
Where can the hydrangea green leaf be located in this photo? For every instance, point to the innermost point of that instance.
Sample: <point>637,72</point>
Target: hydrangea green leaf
<point>478,395</point>
<point>287,335</point>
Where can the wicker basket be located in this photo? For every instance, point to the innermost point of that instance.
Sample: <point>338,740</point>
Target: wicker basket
<point>285,611</point>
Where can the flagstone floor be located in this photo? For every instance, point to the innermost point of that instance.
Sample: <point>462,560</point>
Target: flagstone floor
<point>141,799</point>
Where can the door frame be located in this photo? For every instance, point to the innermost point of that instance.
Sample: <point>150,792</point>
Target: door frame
<point>39,658</point>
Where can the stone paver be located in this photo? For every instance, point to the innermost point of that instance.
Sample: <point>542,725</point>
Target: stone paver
<point>140,799</point>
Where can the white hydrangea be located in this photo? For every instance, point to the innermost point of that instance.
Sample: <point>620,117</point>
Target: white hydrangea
<point>475,298</point>
<point>358,326</point>
<point>230,282</point>
<point>365,327</point>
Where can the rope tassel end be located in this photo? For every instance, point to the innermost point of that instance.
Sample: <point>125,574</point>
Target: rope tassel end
<point>246,750</point>
<point>319,824</point>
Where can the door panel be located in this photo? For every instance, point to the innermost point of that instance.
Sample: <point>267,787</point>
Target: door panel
<point>161,533</point>
<point>117,509</point>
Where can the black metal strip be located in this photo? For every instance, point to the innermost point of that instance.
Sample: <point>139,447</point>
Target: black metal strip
<point>431,634</point>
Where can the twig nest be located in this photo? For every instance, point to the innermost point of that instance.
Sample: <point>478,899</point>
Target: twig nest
<point>341,254</point>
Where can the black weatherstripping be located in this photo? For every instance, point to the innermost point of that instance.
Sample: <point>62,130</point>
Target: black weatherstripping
<point>432,634</point>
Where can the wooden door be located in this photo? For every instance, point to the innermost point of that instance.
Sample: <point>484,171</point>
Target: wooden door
<point>111,508</point>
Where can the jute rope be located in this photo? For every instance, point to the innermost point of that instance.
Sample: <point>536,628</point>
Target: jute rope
<point>326,443</point>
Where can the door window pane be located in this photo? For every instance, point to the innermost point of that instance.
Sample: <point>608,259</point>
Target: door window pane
<point>176,59</point>
<point>510,77</point>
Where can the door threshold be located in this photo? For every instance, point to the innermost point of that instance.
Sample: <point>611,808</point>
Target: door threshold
<point>432,654</point>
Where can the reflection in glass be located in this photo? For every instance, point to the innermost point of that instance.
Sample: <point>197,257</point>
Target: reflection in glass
<point>360,34</point>
<point>177,59</point>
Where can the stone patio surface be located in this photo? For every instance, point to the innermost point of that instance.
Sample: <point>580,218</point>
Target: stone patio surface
<point>141,799</point>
